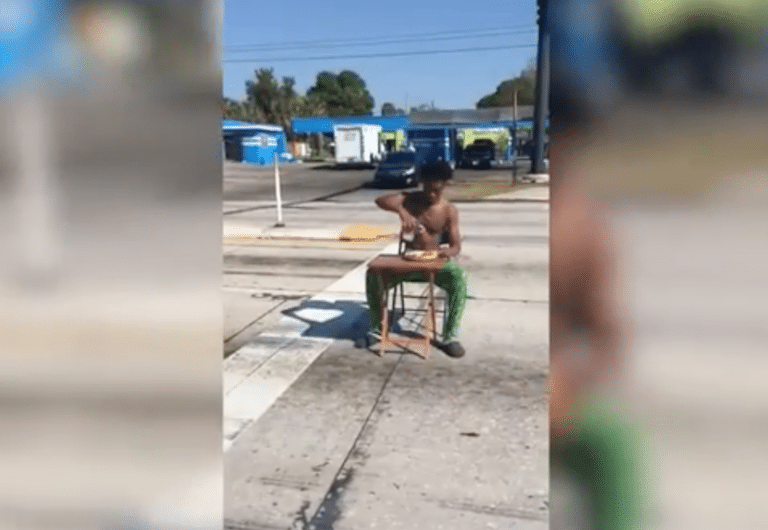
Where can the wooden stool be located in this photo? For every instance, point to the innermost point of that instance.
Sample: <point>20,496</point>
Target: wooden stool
<point>387,265</point>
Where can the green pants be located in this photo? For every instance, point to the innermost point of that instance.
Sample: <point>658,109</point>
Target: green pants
<point>603,457</point>
<point>451,278</point>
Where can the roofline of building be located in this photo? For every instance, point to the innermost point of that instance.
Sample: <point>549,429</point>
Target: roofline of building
<point>241,125</point>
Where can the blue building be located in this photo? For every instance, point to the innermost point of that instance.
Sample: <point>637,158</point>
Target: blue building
<point>324,124</point>
<point>254,143</point>
<point>431,142</point>
<point>432,134</point>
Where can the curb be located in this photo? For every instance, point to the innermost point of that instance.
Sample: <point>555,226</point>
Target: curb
<point>295,203</point>
<point>259,372</point>
<point>348,234</point>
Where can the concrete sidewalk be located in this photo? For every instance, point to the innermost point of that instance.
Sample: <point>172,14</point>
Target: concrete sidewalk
<point>313,221</point>
<point>353,222</point>
<point>319,433</point>
<point>526,194</point>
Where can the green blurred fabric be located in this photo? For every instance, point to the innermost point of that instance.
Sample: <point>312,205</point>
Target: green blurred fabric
<point>656,20</point>
<point>603,456</point>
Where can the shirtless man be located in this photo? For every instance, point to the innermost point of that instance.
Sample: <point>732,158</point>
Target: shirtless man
<point>589,442</point>
<point>433,219</point>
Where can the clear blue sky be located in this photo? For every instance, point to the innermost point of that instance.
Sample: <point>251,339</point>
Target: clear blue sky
<point>455,80</point>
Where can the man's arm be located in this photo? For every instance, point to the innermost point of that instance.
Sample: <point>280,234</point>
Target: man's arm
<point>395,203</point>
<point>602,307</point>
<point>454,237</point>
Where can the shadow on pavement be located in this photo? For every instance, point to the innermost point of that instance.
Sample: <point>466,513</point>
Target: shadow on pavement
<point>343,167</point>
<point>340,320</point>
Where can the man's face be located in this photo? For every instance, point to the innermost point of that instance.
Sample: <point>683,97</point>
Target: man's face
<point>434,189</point>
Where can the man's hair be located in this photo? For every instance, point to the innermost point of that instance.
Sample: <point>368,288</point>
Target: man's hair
<point>436,170</point>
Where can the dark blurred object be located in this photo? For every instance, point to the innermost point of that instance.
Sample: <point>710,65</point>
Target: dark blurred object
<point>659,108</point>
<point>540,112</point>
<point>606,53</point>
<point>110,184</point>
<point>479,154</point>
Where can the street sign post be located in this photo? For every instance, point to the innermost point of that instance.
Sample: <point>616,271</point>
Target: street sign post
<point>29,30</point>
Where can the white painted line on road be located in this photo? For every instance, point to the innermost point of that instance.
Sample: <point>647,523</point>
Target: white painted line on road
<point>252,397</point>
<point>257,374</point>
<point>245,361</point>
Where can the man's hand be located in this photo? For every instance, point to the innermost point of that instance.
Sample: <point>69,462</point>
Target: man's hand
<point>447,253</point>
<point>409,222</point>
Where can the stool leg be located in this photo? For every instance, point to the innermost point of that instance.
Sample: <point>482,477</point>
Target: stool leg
<point>402,298</point>
<point>384,316</point>
<point>432,309</point>
<point>433,327</point>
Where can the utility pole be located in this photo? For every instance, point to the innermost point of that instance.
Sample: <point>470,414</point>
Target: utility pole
<point>542,90</point>
<point>514,140</point>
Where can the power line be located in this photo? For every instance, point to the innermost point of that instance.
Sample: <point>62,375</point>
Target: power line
<point>391,41</point>
<point>363,39</point>
<point>391,54</point>
<point>387,42</point>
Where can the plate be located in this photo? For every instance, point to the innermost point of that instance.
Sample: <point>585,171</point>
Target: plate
<point>420,255</point>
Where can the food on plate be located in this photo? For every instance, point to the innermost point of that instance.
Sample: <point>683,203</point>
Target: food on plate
<point>420,255</point>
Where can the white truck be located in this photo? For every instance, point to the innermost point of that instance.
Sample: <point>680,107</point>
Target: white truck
<point>357,143</point>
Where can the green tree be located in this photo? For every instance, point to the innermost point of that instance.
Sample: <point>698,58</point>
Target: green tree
<point>307,106</point>
<point>424,107</point>
<point>271,101</point>
<point>234,110</point>
<point>343,94</point>
<point>504,96</point>
<point>389,109</point>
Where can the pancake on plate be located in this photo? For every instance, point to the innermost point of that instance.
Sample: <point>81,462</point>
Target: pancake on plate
<point>420,255</point>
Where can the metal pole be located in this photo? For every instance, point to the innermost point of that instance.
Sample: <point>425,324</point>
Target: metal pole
<point>542,90</point>
<point>278,195</point>
<point>514,141</point>
<point>38,188</point>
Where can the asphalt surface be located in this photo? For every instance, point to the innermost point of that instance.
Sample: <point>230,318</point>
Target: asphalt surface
<point>244,184</point>
<point>358,441</point>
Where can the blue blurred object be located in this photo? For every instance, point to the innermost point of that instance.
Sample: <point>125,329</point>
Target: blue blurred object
<point>29,30</point>
<point>583,56</point>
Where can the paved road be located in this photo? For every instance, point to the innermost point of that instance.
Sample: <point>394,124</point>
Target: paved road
<point>346,440</point>
<point>244,184</point>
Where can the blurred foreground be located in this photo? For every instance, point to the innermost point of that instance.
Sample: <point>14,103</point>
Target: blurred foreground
<point>110,271</point>
<point>670,101</point>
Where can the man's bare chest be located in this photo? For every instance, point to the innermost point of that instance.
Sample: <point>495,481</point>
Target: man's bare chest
<point>433,222</point>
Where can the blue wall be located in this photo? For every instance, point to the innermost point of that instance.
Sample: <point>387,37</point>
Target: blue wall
<point>433,143</point>
<point>259,142</point>
<point>324,124</point>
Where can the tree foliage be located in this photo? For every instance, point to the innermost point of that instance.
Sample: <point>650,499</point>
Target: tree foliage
<point>390,109</point>
<point>343,94</point>
<point>504,96</point>
<point>269,100</point>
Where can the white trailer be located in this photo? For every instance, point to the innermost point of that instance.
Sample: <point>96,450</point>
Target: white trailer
<point>357,143</point>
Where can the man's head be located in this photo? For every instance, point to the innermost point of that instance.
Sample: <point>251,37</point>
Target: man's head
<point>434,177</point>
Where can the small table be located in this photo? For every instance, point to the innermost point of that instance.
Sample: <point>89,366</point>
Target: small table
<point>387,265</point>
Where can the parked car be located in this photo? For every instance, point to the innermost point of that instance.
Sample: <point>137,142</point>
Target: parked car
<point>478,155</point>
<point>400,168</point>
<point>527,149</point>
